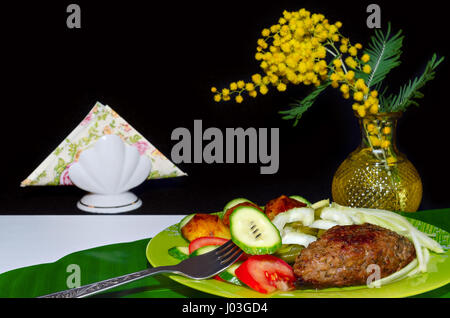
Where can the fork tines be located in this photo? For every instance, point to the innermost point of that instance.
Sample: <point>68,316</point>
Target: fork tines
<point>228,252</point>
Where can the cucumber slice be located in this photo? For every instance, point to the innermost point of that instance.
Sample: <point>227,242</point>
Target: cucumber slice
<point>301,199</point>
<point>232,203</point>
<point>179,252</point>
<point>185,220</point>
<point>204,250</point>
<point>253,232</point>
<point>229,275</point>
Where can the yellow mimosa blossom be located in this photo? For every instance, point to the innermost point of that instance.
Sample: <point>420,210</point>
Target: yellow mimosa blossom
<point>239,99</point>
<point>257,78</point>
<point>391,160</point>
<point>281,87</point>
<point>262,43</point>
<point>275,28</point>
<point>265,32</point>
<point>374,109</point>
<point>365,58</point>
<point>360,85</point>
<point>385,144</point>
<point>350,75</point>
<point>352,51</point>
<point>263,89</point>
<point>351,62</point>
<point>367,68</point>
<point>370,127</point>
<point>374,140</point>
<point>249,87</point>
<point>361,111</point>
<point>334,77</point>
<point>358,96</point>
<point>344,88</point>
<point>337,62</point>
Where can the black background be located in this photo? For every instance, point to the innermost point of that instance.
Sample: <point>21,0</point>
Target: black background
<point>155,63</point>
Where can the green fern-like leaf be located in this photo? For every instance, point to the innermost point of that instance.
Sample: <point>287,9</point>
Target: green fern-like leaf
<point>410,92</point>
<point>385,52</point>
<point>301,106</point>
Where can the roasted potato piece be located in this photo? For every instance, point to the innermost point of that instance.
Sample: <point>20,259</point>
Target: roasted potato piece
<point>226,216</point>
<point>281,204</point>
<point>205,225</point>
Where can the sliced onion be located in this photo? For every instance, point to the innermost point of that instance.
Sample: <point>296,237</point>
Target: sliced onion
<point>395,276</point>
<point>290,236</point>
<point>305,215</point>
<point>323,224</point>
<point>337,216</point>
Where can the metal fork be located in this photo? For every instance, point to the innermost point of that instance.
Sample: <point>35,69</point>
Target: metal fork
<point>198,267</point>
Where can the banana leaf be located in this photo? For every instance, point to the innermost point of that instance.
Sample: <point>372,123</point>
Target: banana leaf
<point>95,264</point>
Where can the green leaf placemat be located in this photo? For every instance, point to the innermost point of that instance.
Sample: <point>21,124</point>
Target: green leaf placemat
<point>119,259</point>
<point>94,265</point>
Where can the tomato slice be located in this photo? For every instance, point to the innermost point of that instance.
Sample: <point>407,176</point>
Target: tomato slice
<point>205,241</point>
<point>266,273</point>
<point>220,279</point>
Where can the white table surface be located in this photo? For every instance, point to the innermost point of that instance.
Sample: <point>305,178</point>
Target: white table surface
<point>34,239</point>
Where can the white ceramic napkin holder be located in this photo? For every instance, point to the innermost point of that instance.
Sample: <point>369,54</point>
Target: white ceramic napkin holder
<point>108,170</point>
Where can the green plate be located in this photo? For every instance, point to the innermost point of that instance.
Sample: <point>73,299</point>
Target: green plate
<point>437,276</point>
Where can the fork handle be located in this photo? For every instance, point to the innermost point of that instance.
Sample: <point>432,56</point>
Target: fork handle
<point>94,288</point>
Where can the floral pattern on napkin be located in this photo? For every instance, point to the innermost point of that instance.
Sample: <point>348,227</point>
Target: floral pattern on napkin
<point>101,120</point>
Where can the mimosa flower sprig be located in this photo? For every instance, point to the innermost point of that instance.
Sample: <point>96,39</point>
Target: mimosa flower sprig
<point>305,48</point>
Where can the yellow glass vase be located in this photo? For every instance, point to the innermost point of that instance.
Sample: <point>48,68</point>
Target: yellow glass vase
<point>376,174</point>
